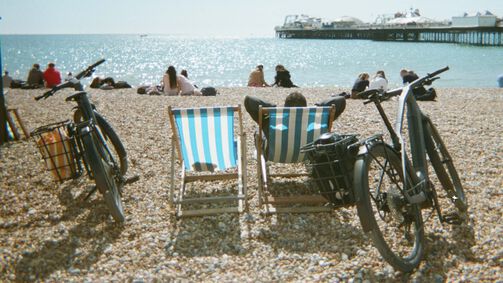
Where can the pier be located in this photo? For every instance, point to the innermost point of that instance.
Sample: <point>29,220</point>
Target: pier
<point>482,36</point>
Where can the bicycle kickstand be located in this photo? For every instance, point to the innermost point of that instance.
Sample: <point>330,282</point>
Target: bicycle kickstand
<point>93,190</point>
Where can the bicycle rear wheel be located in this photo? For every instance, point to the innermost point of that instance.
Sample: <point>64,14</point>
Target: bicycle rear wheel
<point>107,131</point>
<point>443,166</point>
<point>394,224</point>
<point>99,160</point>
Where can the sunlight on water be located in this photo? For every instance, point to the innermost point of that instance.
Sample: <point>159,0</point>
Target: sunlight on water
<point>227,62</point>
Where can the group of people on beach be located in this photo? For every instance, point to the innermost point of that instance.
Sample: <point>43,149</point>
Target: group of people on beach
<point>50,77</point>
<point>282,78</point>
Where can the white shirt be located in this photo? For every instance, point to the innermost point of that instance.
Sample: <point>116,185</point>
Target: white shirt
<point>379,83</point>
<point>186,86</point>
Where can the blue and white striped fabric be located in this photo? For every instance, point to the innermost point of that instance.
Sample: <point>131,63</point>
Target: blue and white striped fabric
<point>206,138</point>
<point>290,128</point>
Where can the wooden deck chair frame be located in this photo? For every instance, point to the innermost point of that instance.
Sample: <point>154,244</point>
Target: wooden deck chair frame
<point>276,204</point>
<point>185,177</point>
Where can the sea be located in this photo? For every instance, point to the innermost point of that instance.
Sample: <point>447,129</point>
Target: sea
<point>227,62</point>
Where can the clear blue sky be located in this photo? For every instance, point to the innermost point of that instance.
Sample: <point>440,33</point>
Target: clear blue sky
<point>205,17</point>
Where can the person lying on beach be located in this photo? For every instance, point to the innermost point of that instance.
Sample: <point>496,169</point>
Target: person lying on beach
<point>361,83</point>
<point>282,78</point>
<point>256,78</point>
<point>294,99</point>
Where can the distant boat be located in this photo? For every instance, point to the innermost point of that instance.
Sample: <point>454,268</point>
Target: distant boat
<point>143,35</point>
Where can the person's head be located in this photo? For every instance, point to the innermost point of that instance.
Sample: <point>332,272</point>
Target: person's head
<point>184,73</point>
<point>36,66</point>
<point>295,99</point>
<point>172,76</point>
<point>260,67</point>
<point>6,73</point>
<point>69,74</point>
<point>403,72</point>
<point>51,65</point>
<point>280,68</point>
<point>363,76</point>
<point>381,74</point>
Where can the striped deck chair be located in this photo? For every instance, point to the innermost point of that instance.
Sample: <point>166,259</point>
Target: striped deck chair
<point>288,130</point>
<point>205,141</point>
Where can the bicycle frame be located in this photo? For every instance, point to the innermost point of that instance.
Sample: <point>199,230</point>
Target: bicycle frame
<point>417,143</point>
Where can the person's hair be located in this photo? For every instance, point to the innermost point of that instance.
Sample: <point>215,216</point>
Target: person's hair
<point>280,68</point>
<point>404,72</point>
<point>260,67</point>
<point>36,66</point>
<point>172,76</point>
<point>6,72</point>
<point>295,99</point>
<point>51,65</point>
<point>381,74</point>
<point>363,76</point>
<point>184,73</point>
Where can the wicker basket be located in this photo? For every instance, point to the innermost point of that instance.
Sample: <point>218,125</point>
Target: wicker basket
<point>57,149</point>
<point>331,165</point>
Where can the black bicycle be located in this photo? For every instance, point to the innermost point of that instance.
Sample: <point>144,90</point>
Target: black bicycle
<point>388,189</point>
<point>90,135</point>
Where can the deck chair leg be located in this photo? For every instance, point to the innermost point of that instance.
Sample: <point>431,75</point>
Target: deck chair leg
<point>12,125</point>
<point>172,187</point>
<point>181,192</point>
<point>240,173</point>
<point>21,123</point>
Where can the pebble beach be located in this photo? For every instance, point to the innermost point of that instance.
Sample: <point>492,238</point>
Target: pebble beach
<point>49,233</point>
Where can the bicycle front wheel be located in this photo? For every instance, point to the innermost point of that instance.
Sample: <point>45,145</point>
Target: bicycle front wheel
<point>443,165</point>
<point>97,157</point>
<point>394,224</point>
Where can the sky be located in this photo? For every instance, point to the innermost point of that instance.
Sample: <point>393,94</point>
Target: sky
<point>212,18</point>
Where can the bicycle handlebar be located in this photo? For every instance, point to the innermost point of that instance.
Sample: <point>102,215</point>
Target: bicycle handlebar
<point>89,70</point>
<point>73,82</point>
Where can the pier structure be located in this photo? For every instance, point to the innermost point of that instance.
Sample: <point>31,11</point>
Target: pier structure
<point>482,36</point>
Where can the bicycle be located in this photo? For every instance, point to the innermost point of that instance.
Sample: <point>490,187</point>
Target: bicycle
<point>88,135</point>
<point>388,189</point>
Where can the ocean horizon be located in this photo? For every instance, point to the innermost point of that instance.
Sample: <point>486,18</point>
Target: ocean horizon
<point>227,61</point>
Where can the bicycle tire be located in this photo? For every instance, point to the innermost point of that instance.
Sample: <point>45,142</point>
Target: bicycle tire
<point>119,152</point>
<point>96,157</point>
<point>379,209</point>
<point>448,175</point>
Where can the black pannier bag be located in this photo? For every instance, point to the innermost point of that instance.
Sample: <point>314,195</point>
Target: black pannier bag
<point>331,162</point>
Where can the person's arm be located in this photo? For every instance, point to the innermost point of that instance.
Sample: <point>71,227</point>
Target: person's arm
<point>262,80</point>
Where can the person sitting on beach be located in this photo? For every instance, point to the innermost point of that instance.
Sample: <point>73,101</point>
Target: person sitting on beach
<point>500,80</point>
<point>256,78</point>
<point>282,78</point>
<point>294,99</point>
<point>361,83</point>
<point>52,76</point>
<point>6,80</point>
<point>170,82</point>
<point>420,93</point>
<point>187,87</point>
<point>35,77</point>
<point>379,81</point>
<point>69,76</point>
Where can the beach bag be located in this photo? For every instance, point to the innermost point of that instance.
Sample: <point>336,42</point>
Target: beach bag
<point>54,145</point>
<point>209,91</point>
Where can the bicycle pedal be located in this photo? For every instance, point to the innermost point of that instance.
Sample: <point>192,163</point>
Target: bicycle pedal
<point>131,180</point>
<point>453,219</point>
